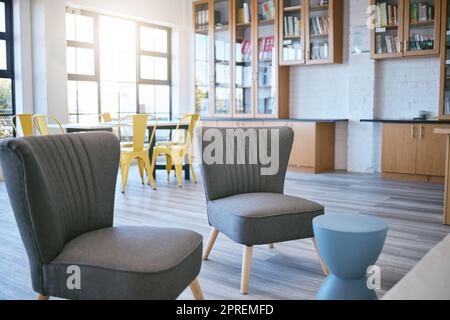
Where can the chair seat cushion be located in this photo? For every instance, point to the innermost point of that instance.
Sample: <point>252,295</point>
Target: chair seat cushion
<point>262,218</point>
<point>128,263</point>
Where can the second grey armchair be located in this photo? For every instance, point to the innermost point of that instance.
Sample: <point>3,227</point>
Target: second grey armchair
<point>62,193</point>
<point>251,208</point>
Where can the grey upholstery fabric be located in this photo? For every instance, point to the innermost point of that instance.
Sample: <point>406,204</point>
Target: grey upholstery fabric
<point>132,262</point>
<point>249,207</point>
<point>261,218</point>
<point>61,188</point>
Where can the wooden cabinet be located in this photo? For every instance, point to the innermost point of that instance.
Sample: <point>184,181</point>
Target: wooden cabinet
<point>237,73</point>
<point>311,32</point>
<point>413,152</point>
<point>314,147</point>
<point>444,96</point>
<point>405,28</point>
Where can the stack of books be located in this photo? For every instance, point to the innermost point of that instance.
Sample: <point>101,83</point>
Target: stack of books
<point>244,14</point>
<point>421,12</point>
<point>202,20</point>
<point>292,50</point>
<point>320,25</point>
<point>419,41</point>
<point>292,26</point>
<point>386,15</point>
<point>266,47</point>
<point>266,10</point>
<point>387,44</point>
<point>319,51</point>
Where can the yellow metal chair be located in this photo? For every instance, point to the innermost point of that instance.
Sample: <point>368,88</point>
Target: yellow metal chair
<point>137,150</point>
<point>41,123</point>
<point>105,117</point>
<point>26,124</point>
<point>178,149</point>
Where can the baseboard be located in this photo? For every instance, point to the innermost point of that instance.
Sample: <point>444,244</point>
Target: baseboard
<point>412,178</point>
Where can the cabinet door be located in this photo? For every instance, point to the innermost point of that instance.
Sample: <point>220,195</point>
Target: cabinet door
<point>399,148</point>
<point>222,57</point>
<point>431,151</point>
<point>202,54</point>
<point>304,147</point>
<point>387,34</point>
<point>292,32</point>
<point>243,68</point>
<point>422,27</point>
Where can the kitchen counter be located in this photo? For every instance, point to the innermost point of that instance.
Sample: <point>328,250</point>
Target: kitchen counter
<point>406,121</point>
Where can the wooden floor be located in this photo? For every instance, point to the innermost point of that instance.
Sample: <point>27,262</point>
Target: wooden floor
<point>290,271</point>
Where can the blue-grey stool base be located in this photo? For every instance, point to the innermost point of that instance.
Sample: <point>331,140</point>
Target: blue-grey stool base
<point>335,288</point>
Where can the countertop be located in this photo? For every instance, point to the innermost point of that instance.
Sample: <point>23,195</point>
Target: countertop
<point>406,121</point>
<point>275,120</point>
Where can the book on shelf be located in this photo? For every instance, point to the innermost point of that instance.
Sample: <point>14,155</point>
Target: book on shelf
<point>266,10</point>
<point>386,15</point>
<point>419,41</point>
<point>292,50</point>
<point>246,51</point>
<point>202,20</point>
<point>320,25</point>
<point>244,14</point>
<point>266,46</point>
<point>292,26</point>
<point>387,44</point>
<point>421,12</point>
<point>319,51</point>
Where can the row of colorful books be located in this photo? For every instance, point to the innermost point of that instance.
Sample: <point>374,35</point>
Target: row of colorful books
<point>320,51</point>
<point>292,26</point>
<point>421,12</point>
<point>386,15</point>
<point>320,25</point>
<point>266,48</point>
<point>387,44</point>
<point>419,41</point>
<point>244,14</point>
<point>202,19</point>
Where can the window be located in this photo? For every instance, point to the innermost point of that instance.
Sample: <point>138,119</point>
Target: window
<point>116,65</point>
<point>7,108</point>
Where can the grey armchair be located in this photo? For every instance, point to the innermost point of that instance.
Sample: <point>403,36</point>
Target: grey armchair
<point>248,207</point>
<point>62,191</point>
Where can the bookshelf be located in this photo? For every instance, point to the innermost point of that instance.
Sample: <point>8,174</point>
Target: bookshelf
<point>444,99</point>
<point>236,60</point>
<point>311,32</point>
<point>405,28</point>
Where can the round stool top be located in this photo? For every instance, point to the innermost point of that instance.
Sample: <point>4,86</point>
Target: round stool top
<point>350,223</point>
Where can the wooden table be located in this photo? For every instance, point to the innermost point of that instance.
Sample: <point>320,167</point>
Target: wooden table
<point>447,176</point>
<point>160,125</point>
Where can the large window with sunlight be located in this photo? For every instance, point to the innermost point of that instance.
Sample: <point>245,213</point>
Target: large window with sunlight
<point>116,65</point>
<point>6,67</point>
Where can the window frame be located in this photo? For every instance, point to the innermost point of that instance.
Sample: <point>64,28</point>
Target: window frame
<point>97,63</point>
<point>8,37</point>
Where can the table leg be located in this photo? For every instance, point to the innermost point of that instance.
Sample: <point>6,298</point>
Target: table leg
<point>447,185</point>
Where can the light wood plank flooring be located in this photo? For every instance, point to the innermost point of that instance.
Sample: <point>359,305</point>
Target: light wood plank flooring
<point>290,271</point>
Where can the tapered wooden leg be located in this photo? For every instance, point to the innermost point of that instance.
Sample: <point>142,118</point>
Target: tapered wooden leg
<point>196,290</point>
<point>211,241</point>
<point>246,268</point>
<point>325,269</point>
<point>42,297</point>
<point>271,246</point>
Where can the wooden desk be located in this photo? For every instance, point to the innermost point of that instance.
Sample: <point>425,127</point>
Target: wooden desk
<point>447,176</point>
<point>161,125</point>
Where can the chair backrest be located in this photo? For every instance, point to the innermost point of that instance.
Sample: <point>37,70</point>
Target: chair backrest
<point>188,134</point>
<point>60,186</point>
<point>223,179</point>
<point>41,123</point>
<point>139,123</point>
<point>26,124</point>
<point>105,117</point>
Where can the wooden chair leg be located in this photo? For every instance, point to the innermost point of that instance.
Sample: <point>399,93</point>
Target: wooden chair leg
<point>246,268</point>
<point>42,297</point>
<point>325,269</point>
<point>211,241</point>
<point>196,290</point>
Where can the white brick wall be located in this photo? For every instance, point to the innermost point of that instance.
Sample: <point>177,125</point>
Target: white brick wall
<point>363,88</point>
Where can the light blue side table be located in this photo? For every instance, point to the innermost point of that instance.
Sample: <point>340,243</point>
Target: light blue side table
<point>349,244</point>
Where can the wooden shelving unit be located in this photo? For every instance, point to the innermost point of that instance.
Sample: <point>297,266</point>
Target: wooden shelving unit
<point>406,28</point>
<point>304,44</point>
<point>444,92</point>
<point>245,81</point>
